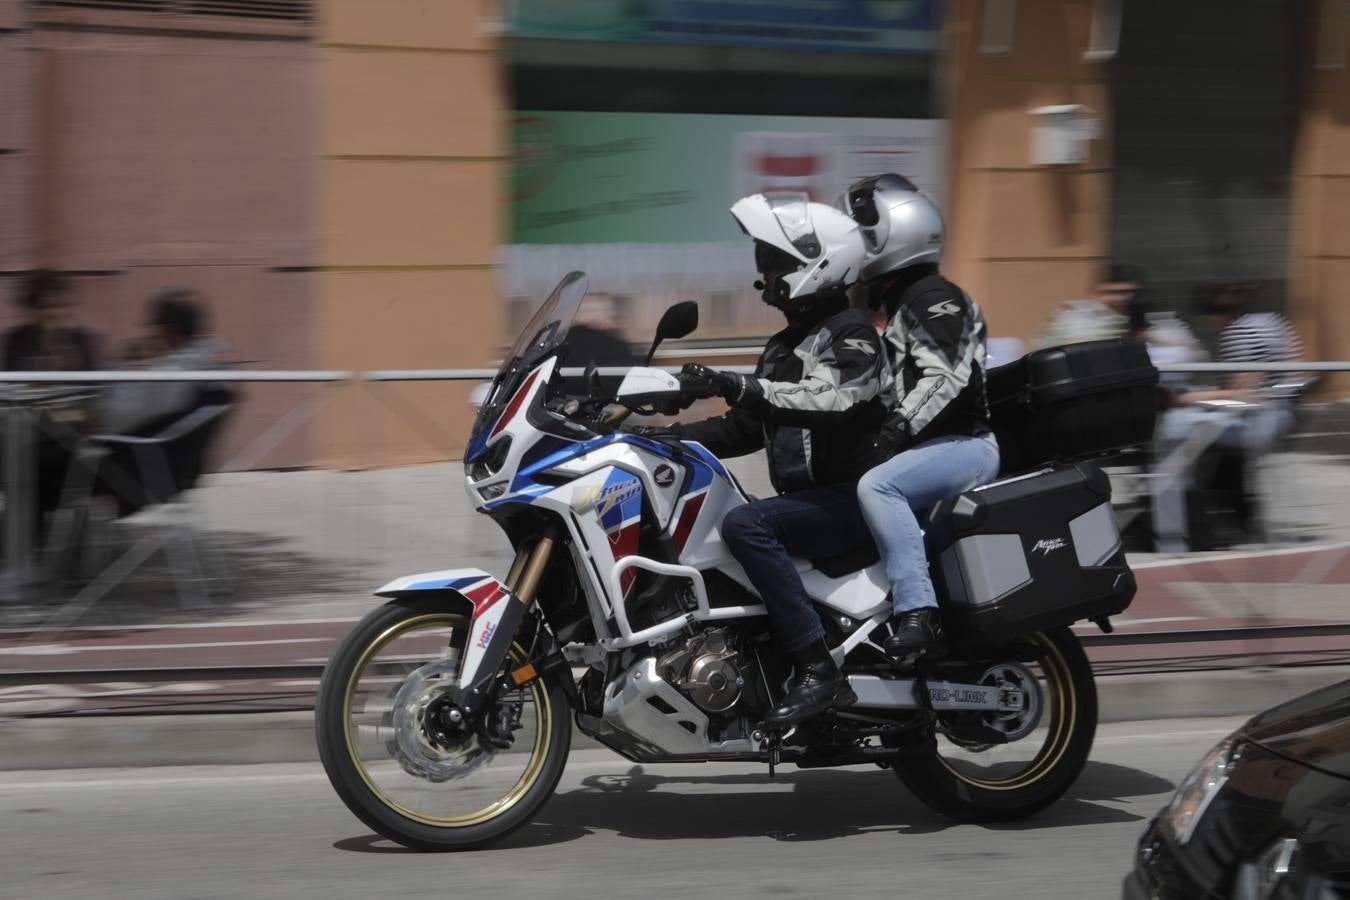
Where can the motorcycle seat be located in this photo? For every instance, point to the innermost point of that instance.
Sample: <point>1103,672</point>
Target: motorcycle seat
<point>842,564</point>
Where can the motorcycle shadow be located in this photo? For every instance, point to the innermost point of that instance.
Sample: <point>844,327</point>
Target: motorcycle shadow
<point>795,806</point>
<point>808,805</point>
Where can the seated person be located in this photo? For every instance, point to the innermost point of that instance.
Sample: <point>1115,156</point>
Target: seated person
<point>176,339</point>
<point>49,341</point>
<point>1106,315</point>
<point>936,440</point>
<point>1243,336</point>
<point>813,406</point>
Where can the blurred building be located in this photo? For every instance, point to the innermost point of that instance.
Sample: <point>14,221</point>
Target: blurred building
<point>364,184</point>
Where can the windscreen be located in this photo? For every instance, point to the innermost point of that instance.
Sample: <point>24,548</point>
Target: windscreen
<point>542,335</point>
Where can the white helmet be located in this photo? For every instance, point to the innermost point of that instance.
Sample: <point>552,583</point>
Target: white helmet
<point>900,225</point>
<point>801,248</point>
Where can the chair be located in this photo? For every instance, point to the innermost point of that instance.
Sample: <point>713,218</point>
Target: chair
<point>167,456</point>
<point>151,468</point>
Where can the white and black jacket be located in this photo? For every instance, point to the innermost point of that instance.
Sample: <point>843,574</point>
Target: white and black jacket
<point>936,341</point>
<point>814,403</point>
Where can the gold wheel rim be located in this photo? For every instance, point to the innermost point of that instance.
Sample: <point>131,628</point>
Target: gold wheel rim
<point>542,739</point>
<point>1065,713</point>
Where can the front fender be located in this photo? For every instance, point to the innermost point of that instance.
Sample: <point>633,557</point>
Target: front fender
<point>474,585</point>
<point>492,626</point>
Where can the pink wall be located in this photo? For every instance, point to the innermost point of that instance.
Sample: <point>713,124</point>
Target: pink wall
<point>166,161</point>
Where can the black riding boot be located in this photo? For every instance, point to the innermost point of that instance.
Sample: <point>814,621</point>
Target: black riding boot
<point>817,685</point>
<point>917,631</point>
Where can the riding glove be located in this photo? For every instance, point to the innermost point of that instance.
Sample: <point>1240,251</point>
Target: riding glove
<point>700,382</point>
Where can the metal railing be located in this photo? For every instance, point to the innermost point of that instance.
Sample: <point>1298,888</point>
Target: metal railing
<point>485,374</point>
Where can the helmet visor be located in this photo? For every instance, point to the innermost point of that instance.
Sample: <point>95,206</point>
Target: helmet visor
<point>794,217</point>
<point>864,206</point>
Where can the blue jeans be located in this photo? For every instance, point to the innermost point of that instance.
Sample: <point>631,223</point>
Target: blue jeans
<point>764,535</point>
<point>908,483</point>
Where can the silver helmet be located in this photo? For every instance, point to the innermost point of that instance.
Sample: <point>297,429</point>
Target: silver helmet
<point>802,249</point>
<point>900,225</point>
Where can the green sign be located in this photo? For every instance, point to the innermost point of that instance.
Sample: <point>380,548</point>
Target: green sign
<point>603,178</point>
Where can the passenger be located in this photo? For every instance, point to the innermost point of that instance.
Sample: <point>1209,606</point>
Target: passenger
<point>937,437</point>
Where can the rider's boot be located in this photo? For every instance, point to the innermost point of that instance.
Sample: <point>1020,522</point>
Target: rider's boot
<point>817,685</point>
<point>918,631</point>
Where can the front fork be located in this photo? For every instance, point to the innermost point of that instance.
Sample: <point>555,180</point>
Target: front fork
<point>495,623</point>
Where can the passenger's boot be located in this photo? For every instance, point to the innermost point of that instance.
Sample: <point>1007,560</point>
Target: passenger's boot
<point>918,631</point>
<point>817,685</point>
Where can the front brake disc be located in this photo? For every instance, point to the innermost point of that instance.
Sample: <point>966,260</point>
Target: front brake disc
<point>417,748</point>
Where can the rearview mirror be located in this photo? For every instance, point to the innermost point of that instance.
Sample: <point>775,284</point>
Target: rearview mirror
<point>677,322</point>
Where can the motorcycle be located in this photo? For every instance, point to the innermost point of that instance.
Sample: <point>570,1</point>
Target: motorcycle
<point>444,718</point>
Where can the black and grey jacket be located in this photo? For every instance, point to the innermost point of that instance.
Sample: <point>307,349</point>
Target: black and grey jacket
<point>815,402</point>
<point>936,341</point>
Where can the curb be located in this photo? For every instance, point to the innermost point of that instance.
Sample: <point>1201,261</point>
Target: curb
<point>240,738</point>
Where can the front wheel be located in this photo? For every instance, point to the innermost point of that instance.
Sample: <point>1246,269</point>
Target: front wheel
<point>405,761</point>
<point>1042,749</point>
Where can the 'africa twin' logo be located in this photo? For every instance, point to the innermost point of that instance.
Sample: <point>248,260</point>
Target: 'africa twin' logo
<point>603,499</point>
<point>1047,545</point>
<point>945,308</point>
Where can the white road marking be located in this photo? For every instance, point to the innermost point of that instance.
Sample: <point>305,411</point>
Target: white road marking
<point>1182,559</point>
<point>1140,738</point>
<point>1125,623</point>
<point>618,764</point>
<point>64,649</point>
<point>262,623</point>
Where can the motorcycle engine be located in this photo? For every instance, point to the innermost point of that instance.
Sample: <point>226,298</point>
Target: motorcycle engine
<point>704,668</point>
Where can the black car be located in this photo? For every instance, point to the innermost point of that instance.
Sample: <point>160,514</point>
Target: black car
<point>1265,816</point>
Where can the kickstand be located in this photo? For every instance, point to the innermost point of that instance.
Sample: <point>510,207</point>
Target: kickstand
<point>773,741</point>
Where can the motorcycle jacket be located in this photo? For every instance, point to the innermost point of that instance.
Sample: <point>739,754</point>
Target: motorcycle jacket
<point>936,341</point>
<point>815,401</point>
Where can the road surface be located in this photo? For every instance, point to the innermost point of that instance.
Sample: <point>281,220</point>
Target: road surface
<point>613,830</point>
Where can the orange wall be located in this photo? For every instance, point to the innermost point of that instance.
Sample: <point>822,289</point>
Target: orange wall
<point>411,130</point>
<point>1320,243</point>
<point>1023,238</point>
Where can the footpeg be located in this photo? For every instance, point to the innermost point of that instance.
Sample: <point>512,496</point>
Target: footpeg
<point>910,661</point>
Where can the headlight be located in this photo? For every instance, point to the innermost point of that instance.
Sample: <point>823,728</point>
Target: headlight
<point>490,463</point>
<point>1197,791</point>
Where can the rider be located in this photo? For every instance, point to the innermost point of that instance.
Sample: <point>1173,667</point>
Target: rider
<point>937,438</point>
<point>813,404</point>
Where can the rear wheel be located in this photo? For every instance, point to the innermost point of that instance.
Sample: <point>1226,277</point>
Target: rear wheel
<point>1045,743</point>
<point>406,762</point>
